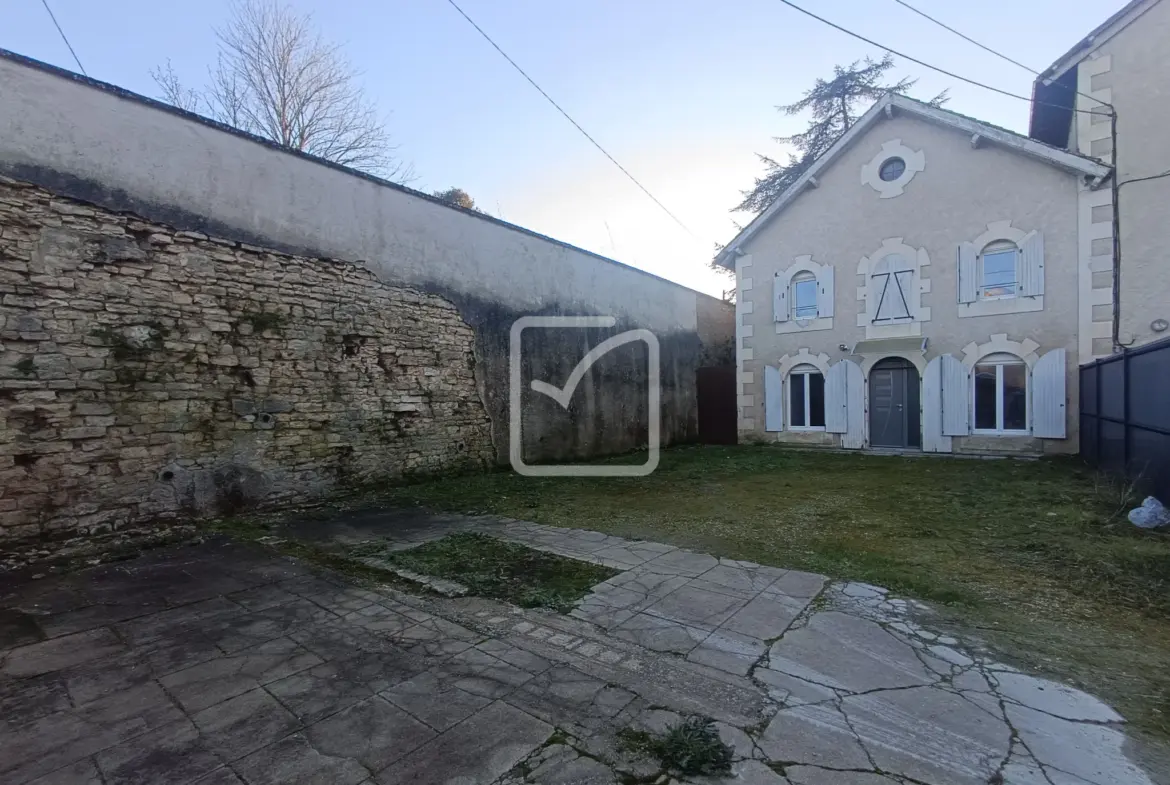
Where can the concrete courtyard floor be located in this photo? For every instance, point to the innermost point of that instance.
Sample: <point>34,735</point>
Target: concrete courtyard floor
<point>224,663</point>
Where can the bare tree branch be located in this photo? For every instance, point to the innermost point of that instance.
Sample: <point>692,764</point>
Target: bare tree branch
<point>173,91</point>
<point>276,77</point>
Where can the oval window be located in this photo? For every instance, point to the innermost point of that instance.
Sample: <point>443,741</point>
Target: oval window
<point>891,169</point>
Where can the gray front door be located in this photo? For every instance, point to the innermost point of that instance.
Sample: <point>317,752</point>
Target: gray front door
<point>893,405</point>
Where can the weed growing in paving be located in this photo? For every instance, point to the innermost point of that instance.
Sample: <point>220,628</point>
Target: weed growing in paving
<point>690,748</point>
<point>492,568</point>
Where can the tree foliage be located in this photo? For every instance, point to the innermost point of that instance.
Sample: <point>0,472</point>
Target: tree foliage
<point>276,77</point>
<point>834,105</point>
<point>456,197</point>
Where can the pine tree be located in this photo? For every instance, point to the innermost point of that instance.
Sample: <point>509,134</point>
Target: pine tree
<point>835,105</point>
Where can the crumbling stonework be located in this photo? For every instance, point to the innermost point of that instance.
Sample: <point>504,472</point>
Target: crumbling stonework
<point>148,374</point>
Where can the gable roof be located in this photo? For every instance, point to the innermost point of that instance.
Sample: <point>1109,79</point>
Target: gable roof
<point>887,105</point>
<point>1054,90</point>
<point>1100,34</point>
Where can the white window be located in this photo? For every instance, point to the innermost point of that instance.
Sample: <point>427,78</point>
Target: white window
<point>892,288</point>
<point>891,169</point>
<point>804,296</point>
<point>1000,392</point>
<point>806,399</point>
<point>998,275</point>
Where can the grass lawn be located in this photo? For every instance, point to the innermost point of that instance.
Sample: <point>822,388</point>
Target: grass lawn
<point>506,571</point>
<point>1036,555</point>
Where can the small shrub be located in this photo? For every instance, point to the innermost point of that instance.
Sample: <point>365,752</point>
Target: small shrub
<point>690,748</point>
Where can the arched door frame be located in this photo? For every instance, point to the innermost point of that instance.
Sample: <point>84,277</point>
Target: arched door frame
<point>913,361</point>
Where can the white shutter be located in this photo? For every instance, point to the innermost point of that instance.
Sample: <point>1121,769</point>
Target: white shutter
<point>773,399</point>
<point>836,398</point>
<point>780,298</point>
<point>1049,396</point>
<point>965,257</point>
<point>956,397</point>
<point>825,301</point>
<point>932,409</point>
<point>1032,265</point>
<point>854,438</point>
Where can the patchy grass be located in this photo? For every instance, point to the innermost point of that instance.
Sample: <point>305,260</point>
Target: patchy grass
<point>690,748</point>
<point>505,571</point>
<point>1037,555</point>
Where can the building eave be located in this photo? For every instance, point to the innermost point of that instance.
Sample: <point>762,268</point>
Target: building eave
<point>1100,34</point>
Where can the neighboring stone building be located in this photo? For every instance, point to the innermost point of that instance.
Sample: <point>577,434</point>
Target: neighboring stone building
<point>1121,66</point>
<point>918,288</point>
<point>194,321</point>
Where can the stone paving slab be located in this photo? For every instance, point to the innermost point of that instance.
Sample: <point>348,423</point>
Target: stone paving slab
<point>223,664</point>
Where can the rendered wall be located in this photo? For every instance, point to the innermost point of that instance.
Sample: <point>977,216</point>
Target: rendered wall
<point>93,142</point>
<point>960,191</point>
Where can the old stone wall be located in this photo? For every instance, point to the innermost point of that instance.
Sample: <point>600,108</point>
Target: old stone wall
<point>149,374</point>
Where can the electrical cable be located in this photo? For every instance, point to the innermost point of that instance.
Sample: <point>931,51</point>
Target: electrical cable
<point>998,54</point>
<point>64,38</point>
<point>925,64</point>
<point>568,117</point>
<point>967,38</point>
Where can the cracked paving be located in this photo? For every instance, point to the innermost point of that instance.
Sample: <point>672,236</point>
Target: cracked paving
<point>224,663</point>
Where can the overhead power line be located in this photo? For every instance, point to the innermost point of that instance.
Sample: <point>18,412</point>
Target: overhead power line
<point>998,54</point>
<point>925,64</point>
<point>64,38</point>
<point>568,117</point>
<point>967,38</point>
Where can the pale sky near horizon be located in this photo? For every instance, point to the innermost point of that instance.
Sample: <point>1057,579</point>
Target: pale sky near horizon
<point>682,93</point>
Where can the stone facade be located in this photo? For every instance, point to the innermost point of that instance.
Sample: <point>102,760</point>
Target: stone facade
<point>148,374</point>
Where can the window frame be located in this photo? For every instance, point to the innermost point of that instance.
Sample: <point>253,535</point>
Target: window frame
<point>981,287</point>
<point>804,276</point>
<point>1000,361</point>
<point>887,162</point>
<point>804,372</point>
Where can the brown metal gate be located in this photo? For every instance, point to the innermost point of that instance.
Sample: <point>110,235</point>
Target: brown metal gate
<point>717,404</point>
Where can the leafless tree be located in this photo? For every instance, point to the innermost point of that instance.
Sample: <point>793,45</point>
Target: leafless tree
<point>276,77</point>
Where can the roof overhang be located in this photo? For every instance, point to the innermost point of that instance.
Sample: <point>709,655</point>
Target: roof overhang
<point>1053,91</point>
<point>909,345</point>
<point>889,105</point>
<point>1102,33</point>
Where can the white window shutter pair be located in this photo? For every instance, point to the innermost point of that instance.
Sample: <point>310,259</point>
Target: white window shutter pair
<point>773,399</point>
<point>780,298</point>
<point>968,271</point>
<point>825,287</point>
<point>1049,397</point>
<point>845,403</point>
<point>1032,265</point>
<point>780,295</point>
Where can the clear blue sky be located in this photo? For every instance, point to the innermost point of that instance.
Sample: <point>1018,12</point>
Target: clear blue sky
<point>681,92</point>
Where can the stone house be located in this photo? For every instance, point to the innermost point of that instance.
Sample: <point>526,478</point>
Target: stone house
<point>918,288</point>
<point>1120,68</point>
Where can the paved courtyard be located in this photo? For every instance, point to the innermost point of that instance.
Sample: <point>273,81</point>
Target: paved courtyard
<point>226,663</point>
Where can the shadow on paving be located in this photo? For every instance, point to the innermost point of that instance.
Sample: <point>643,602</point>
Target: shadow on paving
<point>226,663</point>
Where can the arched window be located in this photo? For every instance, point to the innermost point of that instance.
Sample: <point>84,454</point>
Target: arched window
<point>1000,393</point>
<point>891,289</point>
<point>804,296</point>
<point>999,270</point>
<point>806,399</point>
